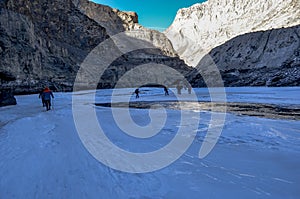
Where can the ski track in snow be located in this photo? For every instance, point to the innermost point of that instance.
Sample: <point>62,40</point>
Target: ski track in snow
<point>43,157</point>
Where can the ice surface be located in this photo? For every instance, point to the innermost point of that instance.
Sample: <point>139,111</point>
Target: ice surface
<point>41,155</point>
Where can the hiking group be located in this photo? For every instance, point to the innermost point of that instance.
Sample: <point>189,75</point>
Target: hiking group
<point>46,95</point>
<point>179,87</point>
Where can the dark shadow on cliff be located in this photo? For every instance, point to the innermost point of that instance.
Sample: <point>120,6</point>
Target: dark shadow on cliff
<point>43,43</point>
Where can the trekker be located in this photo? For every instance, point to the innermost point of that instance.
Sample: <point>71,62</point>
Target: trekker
<point>42,96</point>
<point>137,93</point>
<point>47,94</point>
<point>179,87</point>
<point>189,89</point>
<point>166,90</point>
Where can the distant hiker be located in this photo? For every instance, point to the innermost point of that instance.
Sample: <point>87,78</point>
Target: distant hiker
<point>42,97</point>
<point>189,89</point>
<point>179,87</point>
<point>137,93</point>
<point>166,90</point>
<point>47,94</point>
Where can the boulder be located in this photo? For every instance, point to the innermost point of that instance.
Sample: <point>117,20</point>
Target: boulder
<point>7,98</point>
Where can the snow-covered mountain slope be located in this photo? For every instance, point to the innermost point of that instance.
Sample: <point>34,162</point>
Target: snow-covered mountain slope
<point>198,29</point>
<point>41,155</point>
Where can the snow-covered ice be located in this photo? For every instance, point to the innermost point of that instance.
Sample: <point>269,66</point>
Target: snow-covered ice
<point>41,155</point>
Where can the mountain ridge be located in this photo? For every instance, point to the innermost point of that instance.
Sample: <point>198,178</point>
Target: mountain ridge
<point>262,58</point>
<point>200,28</point>
<point>44,43</point>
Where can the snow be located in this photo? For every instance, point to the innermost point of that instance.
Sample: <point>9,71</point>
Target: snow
<point>42,155</point>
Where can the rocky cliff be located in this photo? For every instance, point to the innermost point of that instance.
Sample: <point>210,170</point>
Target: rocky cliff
<point>263,58</point>
<point>7,98</point>
<point>116,21</point>
<point>45,42</point>
<point>200,28</point>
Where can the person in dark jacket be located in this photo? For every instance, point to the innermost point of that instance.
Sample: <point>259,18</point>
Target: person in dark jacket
<point>137,93</point>
<point>42,96</point>
<point>189,89</point>
<point>47,94</point>
<point>166,90</point>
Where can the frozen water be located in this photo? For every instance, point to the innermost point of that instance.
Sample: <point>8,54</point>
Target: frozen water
<point>41,155</point>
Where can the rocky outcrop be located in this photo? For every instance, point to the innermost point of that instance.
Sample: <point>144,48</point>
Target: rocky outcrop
<point>7,98</point>
<point>200,28</point>
<point>263,58</point>
<point>116,21</point>
<point>6,95</point>
<point>113,20</point>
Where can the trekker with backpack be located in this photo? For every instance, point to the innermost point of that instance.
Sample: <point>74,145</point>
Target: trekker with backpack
<point>47,94</point>
<point>137,91</point>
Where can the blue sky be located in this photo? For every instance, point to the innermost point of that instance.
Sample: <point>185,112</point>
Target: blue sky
<point>157,14</point>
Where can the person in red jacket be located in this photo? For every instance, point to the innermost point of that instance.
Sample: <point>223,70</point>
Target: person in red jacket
<point>47,94</point>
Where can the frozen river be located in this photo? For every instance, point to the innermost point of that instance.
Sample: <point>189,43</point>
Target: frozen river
<point>42,154</point>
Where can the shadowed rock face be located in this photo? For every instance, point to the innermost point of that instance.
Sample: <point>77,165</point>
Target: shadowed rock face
<point>264,58</point>
<point>45,42</point>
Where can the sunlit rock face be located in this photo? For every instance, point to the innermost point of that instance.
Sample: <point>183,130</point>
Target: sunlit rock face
<point>200,28</point>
